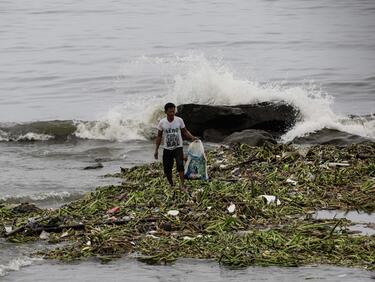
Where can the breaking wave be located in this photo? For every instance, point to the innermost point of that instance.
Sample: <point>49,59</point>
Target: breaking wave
<point>195,79</point>
<point>42,198</point>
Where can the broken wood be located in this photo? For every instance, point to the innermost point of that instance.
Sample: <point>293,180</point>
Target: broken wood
<point>39,228</point>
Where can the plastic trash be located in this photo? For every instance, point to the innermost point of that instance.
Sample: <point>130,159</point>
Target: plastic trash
<point>196,164</point>
<point>291,181</point>
<point>65,234</point>
<point>173,212</point>
<point>270,199</point>
<point>236,171</point>
<point>231,208</point>
<point>113,210</point>
<point>337,164</point>
<point>44,235</point>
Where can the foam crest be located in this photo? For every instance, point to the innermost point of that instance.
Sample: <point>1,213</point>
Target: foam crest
<point>119,124</point>
<point>4,136</point>
<point>15,265</point>
<point>45,197</point>
<point>31,136</point>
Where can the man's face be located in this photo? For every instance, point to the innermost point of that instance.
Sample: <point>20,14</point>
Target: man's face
<point>170,113</point>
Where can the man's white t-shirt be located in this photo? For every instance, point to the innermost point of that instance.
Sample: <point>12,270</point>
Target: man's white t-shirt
<point>171,132</point>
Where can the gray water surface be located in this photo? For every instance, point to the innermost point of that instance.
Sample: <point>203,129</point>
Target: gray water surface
<point>183,270</point>
<point>74,59</point>
<point>119,61</point>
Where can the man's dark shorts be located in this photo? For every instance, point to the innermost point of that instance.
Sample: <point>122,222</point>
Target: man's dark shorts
<point>169,156</point>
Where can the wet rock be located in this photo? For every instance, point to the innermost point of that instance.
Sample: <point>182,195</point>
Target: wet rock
<point>275,118</point>
<point>331,137</point>
<point>96,166</point>
<point>252,137</point>
<point>215,135</point>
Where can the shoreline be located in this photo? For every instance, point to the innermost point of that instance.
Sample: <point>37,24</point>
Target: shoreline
<point>227,218</point>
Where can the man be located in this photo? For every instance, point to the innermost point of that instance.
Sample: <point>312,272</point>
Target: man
<point>171,128</point>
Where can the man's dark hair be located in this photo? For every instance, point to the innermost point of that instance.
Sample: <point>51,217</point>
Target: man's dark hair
<point>168,106</point>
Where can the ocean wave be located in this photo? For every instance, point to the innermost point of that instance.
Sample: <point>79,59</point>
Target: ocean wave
<point>114,127</point>
<point>195,79</point>
<point>42,198</point>
<point>37,131</point>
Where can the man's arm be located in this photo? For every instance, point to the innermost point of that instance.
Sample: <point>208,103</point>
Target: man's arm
<point>187,134</point>
<point>158,142</point>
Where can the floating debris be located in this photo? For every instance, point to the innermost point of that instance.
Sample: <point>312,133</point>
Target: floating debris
<point>338,164</point>
<point>231,208</point>
<point>113,210</point>
<point>236,171</point>
<point>44,235</point>
<point>291,181</point>
<point>173,212</point>
<point>271,199</point>
<point>65,234</point>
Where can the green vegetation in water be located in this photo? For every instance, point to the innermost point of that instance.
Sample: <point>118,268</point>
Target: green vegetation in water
<point>231,218</point>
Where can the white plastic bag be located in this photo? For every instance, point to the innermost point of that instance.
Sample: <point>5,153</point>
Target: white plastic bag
<point>196,164</point>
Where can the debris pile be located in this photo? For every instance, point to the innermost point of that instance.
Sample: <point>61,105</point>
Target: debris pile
<point>256,209</point>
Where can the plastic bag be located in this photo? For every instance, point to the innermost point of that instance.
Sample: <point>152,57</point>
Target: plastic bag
<point>196,164</point>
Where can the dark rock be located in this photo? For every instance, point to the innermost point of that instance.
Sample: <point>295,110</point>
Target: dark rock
<point>96,166</point>
<point>25,208</point>
<point>275,118</point>
<point>215,135</point>
<point>331,137</point>
<point>252,137</point>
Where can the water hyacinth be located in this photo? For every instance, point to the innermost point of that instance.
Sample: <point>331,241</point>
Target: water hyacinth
<point>247,214</point>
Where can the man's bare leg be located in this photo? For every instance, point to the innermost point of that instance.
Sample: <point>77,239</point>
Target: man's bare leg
<point>169,178</point>
<point>182,180</point>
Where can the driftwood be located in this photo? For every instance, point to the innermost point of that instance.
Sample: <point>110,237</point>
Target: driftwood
<point>36,228</point>
<point>29,224</point>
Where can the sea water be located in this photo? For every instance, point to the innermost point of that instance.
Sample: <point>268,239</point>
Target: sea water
<point>108,67</point>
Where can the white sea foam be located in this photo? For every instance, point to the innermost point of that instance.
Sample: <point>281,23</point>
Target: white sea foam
<point>31,136</point>
<point>3,136</point>
<point>115,125</point>
<point>195,79</point>
<point>41,197</point>
<point>15,264</point>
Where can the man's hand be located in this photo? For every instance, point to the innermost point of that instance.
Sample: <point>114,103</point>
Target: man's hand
<point>188,135</point>
<point>156,155</point>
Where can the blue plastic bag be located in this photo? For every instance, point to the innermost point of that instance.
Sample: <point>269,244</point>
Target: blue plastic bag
<point>196,164</point>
